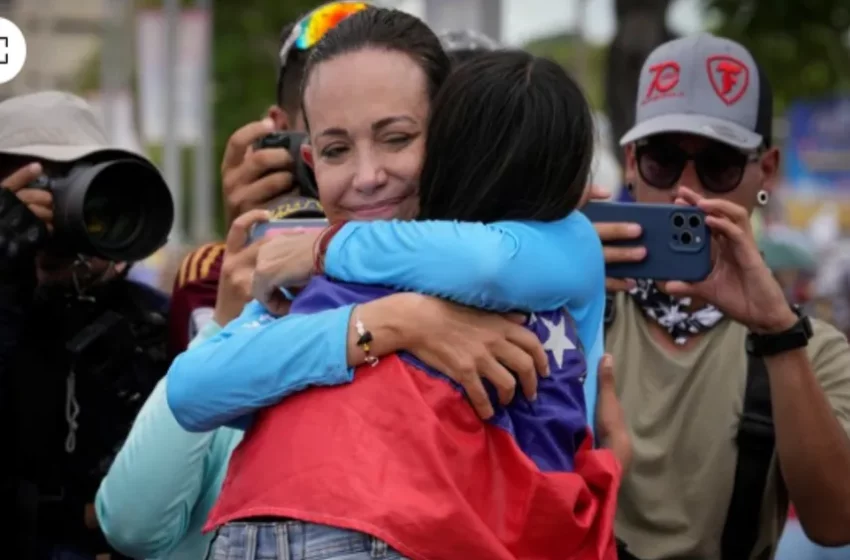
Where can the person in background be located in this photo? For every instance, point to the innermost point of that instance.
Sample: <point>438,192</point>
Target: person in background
<point>721,381</point>
<point>252,179</point>
<point>793,261</point>
<point>81,346</point>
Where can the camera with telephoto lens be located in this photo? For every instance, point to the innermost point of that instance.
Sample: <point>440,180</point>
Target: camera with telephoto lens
<point>119,210</point>
<point>305,180</point>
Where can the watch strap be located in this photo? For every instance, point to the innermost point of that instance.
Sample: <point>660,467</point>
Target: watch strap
<point>776,343</point>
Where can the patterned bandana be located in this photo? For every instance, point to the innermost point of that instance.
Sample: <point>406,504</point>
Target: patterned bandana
<point>672,313</point>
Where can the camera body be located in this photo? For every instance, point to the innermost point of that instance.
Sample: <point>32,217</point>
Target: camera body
<point>119,210</point>
<point>305,180</point>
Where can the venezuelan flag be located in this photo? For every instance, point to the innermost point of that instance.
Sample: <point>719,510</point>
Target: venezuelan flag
<point>400,454</point>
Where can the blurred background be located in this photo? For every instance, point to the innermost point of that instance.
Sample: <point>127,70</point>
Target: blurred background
<point>175,78</point>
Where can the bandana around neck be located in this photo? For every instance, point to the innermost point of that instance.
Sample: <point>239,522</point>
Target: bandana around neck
<point>673,314</point>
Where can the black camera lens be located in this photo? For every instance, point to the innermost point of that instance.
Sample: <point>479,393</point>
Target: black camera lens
<point>694,221</point>
<point>678,220</point>
<point>119,210</point>
<point>686,238</point>
<point>110,221</point>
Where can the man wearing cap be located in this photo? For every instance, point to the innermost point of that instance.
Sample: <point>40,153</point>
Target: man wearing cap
<point>736,401</point>
<point>80,347</point>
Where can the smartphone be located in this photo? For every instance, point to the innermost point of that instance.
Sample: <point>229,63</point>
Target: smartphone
<point>276,227</point>
<point>677,241</point>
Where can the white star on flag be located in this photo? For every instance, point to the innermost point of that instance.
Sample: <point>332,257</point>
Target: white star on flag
<point>558,342</point>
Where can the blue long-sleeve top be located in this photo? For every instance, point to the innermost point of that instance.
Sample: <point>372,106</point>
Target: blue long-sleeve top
<point>258,359</point>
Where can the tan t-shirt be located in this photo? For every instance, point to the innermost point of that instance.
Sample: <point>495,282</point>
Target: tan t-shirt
<point>683,410</point>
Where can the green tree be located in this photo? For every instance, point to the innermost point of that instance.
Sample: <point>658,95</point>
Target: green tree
<point>801,44</point>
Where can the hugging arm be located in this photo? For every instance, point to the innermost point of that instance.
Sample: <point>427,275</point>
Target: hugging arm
<point>504,266</point>
<point>527,266</point>
<point>258,359</point>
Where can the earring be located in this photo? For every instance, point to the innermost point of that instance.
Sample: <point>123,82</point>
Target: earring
<point>630,187</point>
<point>762,197</point>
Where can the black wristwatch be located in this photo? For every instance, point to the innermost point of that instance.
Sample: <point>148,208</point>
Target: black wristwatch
<point>771,344</point>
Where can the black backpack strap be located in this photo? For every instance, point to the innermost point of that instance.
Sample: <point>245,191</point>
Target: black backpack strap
<point>756,442</point>
<point>623,552</point>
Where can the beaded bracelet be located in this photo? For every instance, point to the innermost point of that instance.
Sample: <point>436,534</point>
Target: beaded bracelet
<point>364,342</point>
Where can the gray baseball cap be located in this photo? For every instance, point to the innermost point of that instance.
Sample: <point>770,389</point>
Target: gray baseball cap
<point>704,85</point>
<point>53,126</point>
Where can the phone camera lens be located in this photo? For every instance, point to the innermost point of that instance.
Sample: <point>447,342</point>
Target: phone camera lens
<point>686,238</point>
<point>678,220</point>
<point>695,221</point>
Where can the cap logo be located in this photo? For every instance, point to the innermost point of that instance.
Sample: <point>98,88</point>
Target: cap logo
<point>729,77</point>
<point>665,77</point>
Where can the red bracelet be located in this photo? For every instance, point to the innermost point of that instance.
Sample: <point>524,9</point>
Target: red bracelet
<point>320,249</point>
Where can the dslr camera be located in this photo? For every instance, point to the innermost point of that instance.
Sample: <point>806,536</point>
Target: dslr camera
<point>118,210</point>
<point>305,180</point>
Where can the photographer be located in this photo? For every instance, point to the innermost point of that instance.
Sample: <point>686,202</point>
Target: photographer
<point>737,402</point>
<point>81,345</point>
<point>251,179</point>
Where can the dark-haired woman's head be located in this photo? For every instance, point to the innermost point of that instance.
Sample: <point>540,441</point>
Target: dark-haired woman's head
<point>367,92</point>
<point>510,138</point>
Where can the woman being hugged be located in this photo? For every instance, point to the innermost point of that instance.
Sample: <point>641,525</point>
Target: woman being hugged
<point>397,458</point>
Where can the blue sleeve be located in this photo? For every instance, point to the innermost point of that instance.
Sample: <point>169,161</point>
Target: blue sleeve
<point>504,266</point>
<point>254,362</point>
<point>168,464</point>
<point>593,353</point>
<point>172,465</point>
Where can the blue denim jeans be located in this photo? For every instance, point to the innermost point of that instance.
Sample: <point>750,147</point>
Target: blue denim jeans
<point>295,540</point>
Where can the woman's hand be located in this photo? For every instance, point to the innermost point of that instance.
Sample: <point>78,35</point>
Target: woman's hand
<point>740,284</point>
<point>237,269</point>
<point>468,345</point>
<point>611,429</point>
<point>612,232</point>
<point>286,260</point>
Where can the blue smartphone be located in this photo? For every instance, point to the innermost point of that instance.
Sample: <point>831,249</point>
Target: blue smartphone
<point>273,227</point>
<point>677,241</point>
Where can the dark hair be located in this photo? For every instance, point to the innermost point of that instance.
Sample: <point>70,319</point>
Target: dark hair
<point>288,92</point>
<point>510,138</point>
<point>387,29</point>
<point>464,55</point>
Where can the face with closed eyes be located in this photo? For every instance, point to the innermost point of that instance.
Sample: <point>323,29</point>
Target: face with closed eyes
<point>368,112</point>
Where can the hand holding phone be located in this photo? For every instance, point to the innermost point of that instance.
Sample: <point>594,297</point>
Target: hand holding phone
<point>673,240</point>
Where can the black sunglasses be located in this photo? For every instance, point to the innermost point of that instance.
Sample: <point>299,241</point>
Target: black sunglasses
<point>720,168</point>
